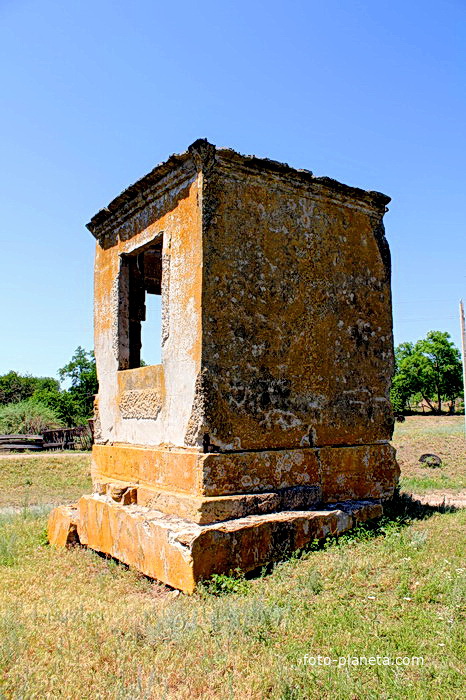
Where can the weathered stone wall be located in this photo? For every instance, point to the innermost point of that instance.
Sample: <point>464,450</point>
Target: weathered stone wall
<point>152,405</point>
<point>276,309</point>
<point>297,323</point>
<point>267,424</point>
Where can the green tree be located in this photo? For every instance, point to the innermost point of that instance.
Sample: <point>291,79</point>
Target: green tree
<point>404,383</point>
<point>16,387</point>
<point>430,367</point>
<point>64,405</point>
<point>81,372</point>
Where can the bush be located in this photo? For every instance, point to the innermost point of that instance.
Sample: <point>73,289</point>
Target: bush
<point>398,398</point>
<point>63,404</point>
<point>16,387</point>
<point>27,417</point>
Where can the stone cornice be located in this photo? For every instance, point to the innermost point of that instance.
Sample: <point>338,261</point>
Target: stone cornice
<point>201,156</point>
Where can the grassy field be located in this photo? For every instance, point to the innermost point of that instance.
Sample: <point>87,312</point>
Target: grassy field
<point>76,625</point>
<point>49,479</point>
<point>443,436</point>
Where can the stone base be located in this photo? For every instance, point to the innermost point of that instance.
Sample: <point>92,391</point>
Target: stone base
<point>180,516</point>
<point>339,473</point>
<point>181,553</point>
<point>209,509</point>
<point>62,526</point>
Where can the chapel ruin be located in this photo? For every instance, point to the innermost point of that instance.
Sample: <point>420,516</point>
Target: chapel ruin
<point>267,423</point>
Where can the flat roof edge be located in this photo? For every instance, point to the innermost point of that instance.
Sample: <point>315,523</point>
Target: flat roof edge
<point>200,151</point>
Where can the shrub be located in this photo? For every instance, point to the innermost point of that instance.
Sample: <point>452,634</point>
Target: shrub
<point>27,417</point>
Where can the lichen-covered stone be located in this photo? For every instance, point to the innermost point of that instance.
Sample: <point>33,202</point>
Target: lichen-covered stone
<point>339,473</point>
<point>360,511</point>
<point>297,302</point>
<point>363,471</point>
<point>276,308</point>
<point>181,553</point>
<point>272,396</point>
<point>209,509</point>
<point>62,526</point>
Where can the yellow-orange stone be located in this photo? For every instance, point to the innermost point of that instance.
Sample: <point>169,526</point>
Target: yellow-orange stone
<point>272,395</point>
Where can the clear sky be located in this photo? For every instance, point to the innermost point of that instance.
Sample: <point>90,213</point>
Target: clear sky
<point>95,93</point>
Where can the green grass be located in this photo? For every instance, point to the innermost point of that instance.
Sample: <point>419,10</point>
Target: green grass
<point>47,479</point>
<point>19,535</point>
<point>76,625</point>
<point>441,435</point>
<point>433,482</point>
<point>428,425</point>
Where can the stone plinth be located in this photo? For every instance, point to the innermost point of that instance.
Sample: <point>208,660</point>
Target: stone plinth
<point>182,553</point>
<point>272,396</point>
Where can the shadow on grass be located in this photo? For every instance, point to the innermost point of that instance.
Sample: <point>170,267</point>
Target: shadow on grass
<point>400,512</point>
<point>404,508</point>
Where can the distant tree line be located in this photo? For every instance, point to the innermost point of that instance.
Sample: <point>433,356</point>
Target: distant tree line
<point>32,404</point>
<point>428,371</point>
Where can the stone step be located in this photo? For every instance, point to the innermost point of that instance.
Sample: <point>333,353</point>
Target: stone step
<point>209,509</point>
<point>344,471</point>
<point>181,553</point>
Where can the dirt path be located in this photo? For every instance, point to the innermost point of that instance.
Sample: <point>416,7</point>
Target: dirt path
<point>443,499</point>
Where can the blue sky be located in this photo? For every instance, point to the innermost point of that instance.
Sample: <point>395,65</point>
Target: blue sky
<point>94,94</point>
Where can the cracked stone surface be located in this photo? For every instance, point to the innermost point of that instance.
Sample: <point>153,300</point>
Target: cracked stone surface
<point>180,552</point>
<point>272,395</point>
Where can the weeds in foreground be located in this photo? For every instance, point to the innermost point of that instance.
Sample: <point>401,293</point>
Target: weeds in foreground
<point>19,533</point>
<point>74,625</point>
<point>225,584</point>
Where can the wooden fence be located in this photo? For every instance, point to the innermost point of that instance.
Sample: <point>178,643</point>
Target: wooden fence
<point>21,442</point>
<point>80,438</point>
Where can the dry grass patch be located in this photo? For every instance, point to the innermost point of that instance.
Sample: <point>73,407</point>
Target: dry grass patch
<point>441,435</point>
<point>46,479</point>
<point>75,625</point>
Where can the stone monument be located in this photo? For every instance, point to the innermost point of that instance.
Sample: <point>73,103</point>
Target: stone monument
<point>267,423</point>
